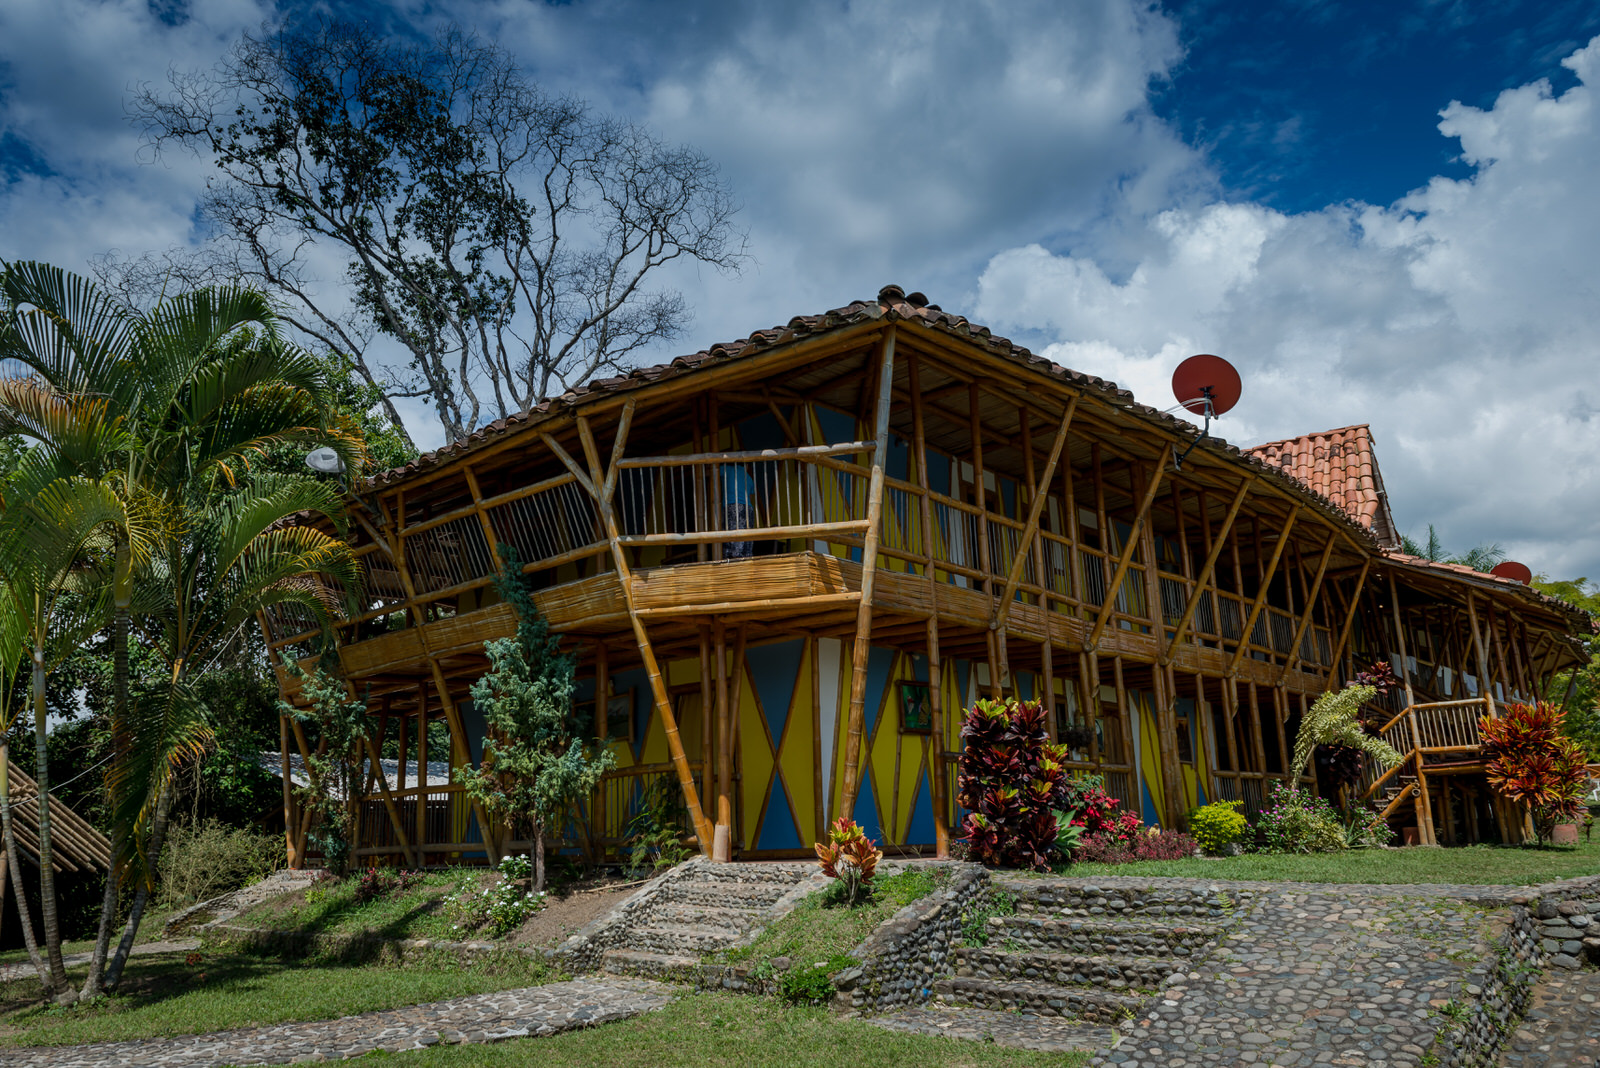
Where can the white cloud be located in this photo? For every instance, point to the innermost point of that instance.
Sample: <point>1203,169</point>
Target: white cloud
<point>1462,322</point>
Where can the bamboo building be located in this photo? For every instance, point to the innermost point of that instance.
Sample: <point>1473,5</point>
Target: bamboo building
<point>697,532</point>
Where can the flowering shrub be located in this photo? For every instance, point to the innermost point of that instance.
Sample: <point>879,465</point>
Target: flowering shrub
<point>1297,821</point>
<point>1218,825</point>
<point>848,856</point>
<point>1013,781</point>
<point>381,882</point>
<point>1531,764</point>
<point>498,908</point>
<point>1151,844</point>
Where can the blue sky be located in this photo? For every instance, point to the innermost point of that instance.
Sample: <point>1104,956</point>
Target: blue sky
<point>1381,213</point>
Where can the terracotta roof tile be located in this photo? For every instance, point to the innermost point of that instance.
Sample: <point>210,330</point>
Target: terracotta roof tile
<point>1342,466</point>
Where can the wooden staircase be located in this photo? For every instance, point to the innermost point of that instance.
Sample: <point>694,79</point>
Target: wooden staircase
<point>1439,742</point>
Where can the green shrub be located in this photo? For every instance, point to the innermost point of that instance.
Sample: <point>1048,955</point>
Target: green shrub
<point>203,860</point>
<point>813,983</point>
<point>1297,821</point>
<point>1218,825</point>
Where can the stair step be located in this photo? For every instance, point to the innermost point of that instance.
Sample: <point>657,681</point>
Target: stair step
<point>1009,1029</point>
<point>719,894</point>
<point>1097,937</point>
<point>1063,969</point>
<point>686,914</point>
<point>649,965</point>
<point>1040,999</point>
<point>682,938</point>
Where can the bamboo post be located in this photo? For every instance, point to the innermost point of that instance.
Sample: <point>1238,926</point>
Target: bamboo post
<point>1261,593</point>
<point>1349,619</point>
<point>389,805</point>
<point>295,859</point>
<point>722,849</point>
<point>602,732</point>
<point>1292,660</point>
<point>707,712</point>
<point>1423,806</point>
<point>980,497</point>
<point>1208,568</point>
<point>818,781</point>
<point>619,556</point>
<point>735,762</point>
<point>936,776</point>
<point>458,731</point>
<point>1030,531</point>
<point>422,785</point>
<point>869,568</point>
<point>1483,655</point>
<point>1114,587</point>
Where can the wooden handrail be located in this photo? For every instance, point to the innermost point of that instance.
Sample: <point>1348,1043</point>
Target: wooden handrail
<point>802,452</point>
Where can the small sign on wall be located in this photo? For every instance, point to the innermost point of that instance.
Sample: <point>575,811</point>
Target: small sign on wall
<point>916,711</point>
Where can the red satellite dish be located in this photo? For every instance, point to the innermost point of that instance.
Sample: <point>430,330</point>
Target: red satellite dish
<point>1512,570</point>
<point>1205,377</point>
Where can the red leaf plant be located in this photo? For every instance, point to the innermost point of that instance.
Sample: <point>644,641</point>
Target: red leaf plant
<point>848,856</point>
<point>1013,780</point>
<point>1531,764</point>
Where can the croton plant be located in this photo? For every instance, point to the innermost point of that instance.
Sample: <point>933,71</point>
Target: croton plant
<point>849,856</point>
<point>1024,807</point>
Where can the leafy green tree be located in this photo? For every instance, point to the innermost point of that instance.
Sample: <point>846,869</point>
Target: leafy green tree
<point>338,765</point>
<point>535,761</point>
<point>1578,688</point>
<point>507,239</point>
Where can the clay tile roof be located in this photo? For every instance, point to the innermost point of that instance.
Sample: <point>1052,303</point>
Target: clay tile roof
<point>892,305</point>
<point>1342,466</point>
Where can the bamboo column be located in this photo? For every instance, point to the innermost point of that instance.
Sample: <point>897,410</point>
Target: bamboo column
<point>722,847</point>
<point>602,490</point>
<point>1114,587</point>
<point>1422,805</point>
<point>869,568</point>
<point>1261,593</point>
<point>1208,569</point>
<point>936,776</point>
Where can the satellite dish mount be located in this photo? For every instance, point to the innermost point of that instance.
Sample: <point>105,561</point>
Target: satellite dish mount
<point>1206,385</point>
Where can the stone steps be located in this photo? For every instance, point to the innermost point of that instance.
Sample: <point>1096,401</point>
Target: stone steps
<point>719,894</point>
<point>667,966</point>
<point>682,939</point>
<point>1101,937</point>
<point>1088,1003</point>
<point>1064,969</point>
<point>738,917</point>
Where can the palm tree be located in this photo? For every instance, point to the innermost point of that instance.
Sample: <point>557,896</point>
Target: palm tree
<point>1479,557</point>
<point>53,599</point>
<point>161,407</point>
<point>235,558</point>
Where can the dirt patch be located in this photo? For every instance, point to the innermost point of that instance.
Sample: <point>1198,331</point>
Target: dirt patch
<point>563,915</point>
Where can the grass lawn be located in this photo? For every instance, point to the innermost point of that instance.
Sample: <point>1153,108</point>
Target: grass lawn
<point>331,907</point>
<point>822,929</point>
<point>1478,864</point>
<point>150,930</point>
<point>716,1030</point>
<point>164,995</point>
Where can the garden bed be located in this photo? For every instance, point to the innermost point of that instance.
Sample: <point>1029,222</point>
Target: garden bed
<point>419,910</point>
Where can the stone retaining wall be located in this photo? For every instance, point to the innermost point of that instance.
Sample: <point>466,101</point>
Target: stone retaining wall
<point>1155,901</point>
<point>902,958</point>
<point>1501,984</point>
<point>296,943</point>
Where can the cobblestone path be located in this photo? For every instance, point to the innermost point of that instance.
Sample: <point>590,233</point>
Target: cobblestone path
<point>1561,1028</point>
<point>23,969</point>
<point>532,1011</point>
<point>1002,1028</point>
<point>1330,975</point>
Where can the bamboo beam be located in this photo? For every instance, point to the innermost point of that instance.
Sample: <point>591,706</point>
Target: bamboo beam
<point>1484,687</point>
<point>1207,570</point>
<point>1030,531</point>
<point>869,568</point>
<point>1349,620</point>
<point>1261,592</point>
<point>389,805</point>
<point>1114,587</point>
<point>458,733</point>
<point>658,687</point>
<point>1293,659</point>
